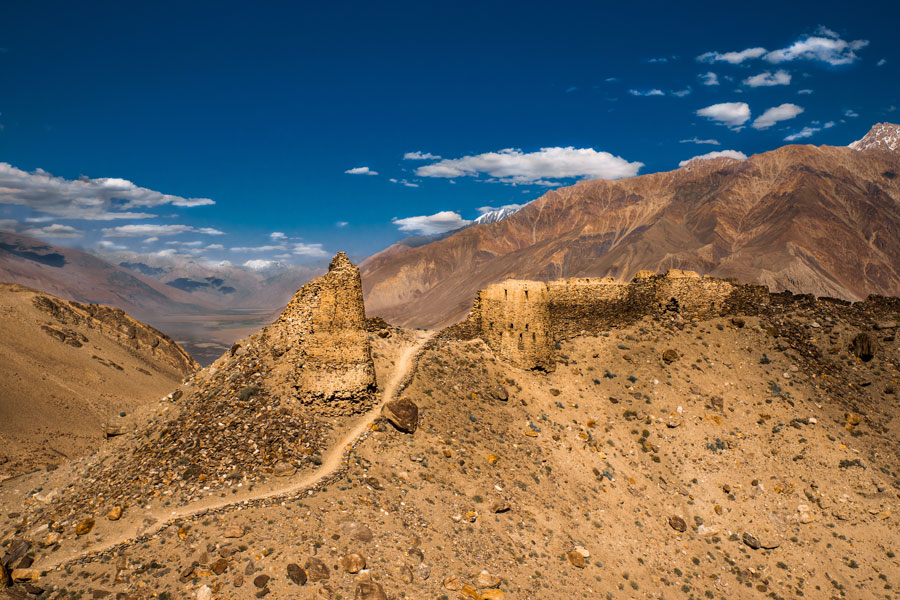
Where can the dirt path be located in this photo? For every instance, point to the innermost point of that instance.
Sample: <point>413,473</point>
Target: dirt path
<point>331,462</point>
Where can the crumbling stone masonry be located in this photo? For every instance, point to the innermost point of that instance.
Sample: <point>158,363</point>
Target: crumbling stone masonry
<point>521,321</point>
<point>320,345</point>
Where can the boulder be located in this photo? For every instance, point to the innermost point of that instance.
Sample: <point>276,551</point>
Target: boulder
<point>402,414</point>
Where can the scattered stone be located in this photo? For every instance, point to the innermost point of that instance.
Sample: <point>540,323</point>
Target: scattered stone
<point>452,583</point>
<point>353,562</point>
<point>234,531</point>
<point>751,540</point>
<point>678,524</point>
<point>369,590</point>
<point>297,574</point>
<point>261,581</point>
<point>494,594</point>
<point>402,414</point>
<point>115,514</point>
<point>486,580</point>
<point>219,566</point>
<point>114,429</point>
<point>864,346</point>
<point>85,526</point>
<point>576,559</point>
<point>317,570</point>
<point>283,469</point>
<point>500,393</point>
<point>670,356</point>
<point>882,325</point>
<point>738,322</point>
<point>500,506</point>
<point>204,593</point>
<point>22,575</point>
<point>52,539</point>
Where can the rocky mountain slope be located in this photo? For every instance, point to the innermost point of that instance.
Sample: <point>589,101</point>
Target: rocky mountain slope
<point>69,371</point>
<point>736,450</point>
<point>205,309</point>
<point>821,220</point>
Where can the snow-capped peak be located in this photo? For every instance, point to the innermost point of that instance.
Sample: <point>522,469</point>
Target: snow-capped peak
<point>492,216</point>
<point>881,136</point>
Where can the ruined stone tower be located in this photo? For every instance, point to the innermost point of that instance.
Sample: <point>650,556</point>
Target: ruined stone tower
<point>321,351</point>
<point>515,321</point>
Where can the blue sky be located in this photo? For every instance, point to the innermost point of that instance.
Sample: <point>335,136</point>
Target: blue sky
<point>205,129</point>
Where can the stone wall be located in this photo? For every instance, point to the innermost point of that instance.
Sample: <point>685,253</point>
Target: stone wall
<point>521,321</point>
<point>320,347</point>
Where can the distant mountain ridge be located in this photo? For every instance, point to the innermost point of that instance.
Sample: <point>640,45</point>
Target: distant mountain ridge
<point>823,220</point>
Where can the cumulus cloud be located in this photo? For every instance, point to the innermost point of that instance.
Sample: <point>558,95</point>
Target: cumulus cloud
<point>101,199</point>
<point>696,140</point>
<point>851,113</point>
<point>734,58</point>
<point>259,264</point>
<point>417,155</point>
<point>404,182</point>
<point>277,235</point>
<point>309,250</point>
<point>258,248</point>
<point>156,230</point>
<point>437,223</point>
<point>341,224</point>
<point>782,112</point>
<point>767,79</point>
<point>108,245</point>
<point>682,93</point>
<point>732,114</point>
<point>513,166</point>
<point>717,154</point>
<point>824,45</point>
<point>709,78</point>
<point>55,231</point>
<point>805,91</point>
<point>361,171</point>
<point>653,92</point>
<point>882,62</point>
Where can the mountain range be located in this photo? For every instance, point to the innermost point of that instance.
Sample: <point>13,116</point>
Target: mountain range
<point>822,220</point>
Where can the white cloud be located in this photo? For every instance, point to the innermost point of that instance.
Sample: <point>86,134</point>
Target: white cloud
<point>108,245</point>
<point>516,167</point>
<point>767,78</point>
<point>611,79</point>
<point>309,250</point>
<point>653,92</point>
<point>101,199</point>
<point>277,235</point>
<point>682,93</point>
<point>826,47</point>
<point>150,240</point>
<point>437,223</point>
<point>696,140</point>
<point>258,248</point>
<point>803,133</point>
<point>193,244</point>
<point>214,247</point>
<point>661,59</point>
<point>716,154</point>
<point>709,78</point>
<point>782,112</point>
<point>851,113</point>
<point>55,231</point>
<point>361,171</point>
<point>732,114</point>
<point>417,155</point>
<point>734,58</point>
<point>341,224</point>
<point>805,91</point>
<point>259,264</point>
<point>156,230</point>
<point>881,62</point>
<point>404,182</point>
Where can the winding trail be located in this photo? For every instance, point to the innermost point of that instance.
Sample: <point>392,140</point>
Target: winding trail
<point>332,461</point>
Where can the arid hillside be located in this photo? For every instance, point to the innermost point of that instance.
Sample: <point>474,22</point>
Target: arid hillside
<point>715,451</point>
<point>820,220</point>
<point>69,371</point>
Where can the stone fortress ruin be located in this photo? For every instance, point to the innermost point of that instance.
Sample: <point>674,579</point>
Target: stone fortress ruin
<point>521,321</point>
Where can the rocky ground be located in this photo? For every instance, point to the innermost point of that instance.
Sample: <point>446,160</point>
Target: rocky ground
<point>729,458</point>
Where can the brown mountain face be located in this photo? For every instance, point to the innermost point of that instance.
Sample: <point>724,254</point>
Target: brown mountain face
<point>821,220</point>
<point>70,369</point>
